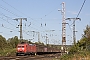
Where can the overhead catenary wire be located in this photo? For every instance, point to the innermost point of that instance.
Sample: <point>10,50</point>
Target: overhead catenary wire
<point>70,28</point>
<point>30,25</point>
<point>9,12</point>
<point>81,9</point>
<point>9,28</point>
<point>7,20</point>
<point>6,9</point>
<point>2,7</point>
<point>16,10</point>
<point>12,7</point>
<point>25,14</point>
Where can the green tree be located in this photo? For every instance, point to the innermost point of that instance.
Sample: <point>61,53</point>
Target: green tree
<point>3,42</point>
<point>13,41</point>
<point>86,37</point>
<point>83,43</point>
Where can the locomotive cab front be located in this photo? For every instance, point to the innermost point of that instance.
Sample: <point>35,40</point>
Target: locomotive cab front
<point>21,49</point>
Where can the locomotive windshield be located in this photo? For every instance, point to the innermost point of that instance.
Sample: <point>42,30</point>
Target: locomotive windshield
<point>20,46</point>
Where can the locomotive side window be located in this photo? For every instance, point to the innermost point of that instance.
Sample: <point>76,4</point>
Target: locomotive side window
<point>19,46</point>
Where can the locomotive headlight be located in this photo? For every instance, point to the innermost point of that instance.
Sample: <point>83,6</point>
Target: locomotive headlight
<point>18,48</point>
<point>23,49</point>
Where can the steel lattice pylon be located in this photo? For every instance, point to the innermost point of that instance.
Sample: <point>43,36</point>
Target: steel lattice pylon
<point>63,25</point>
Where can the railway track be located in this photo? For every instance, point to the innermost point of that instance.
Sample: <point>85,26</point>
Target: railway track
<point>37,57</point>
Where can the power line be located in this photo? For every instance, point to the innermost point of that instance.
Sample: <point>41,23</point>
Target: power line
<point>25,14</point>
<point>74,36</point>
<point>70,28</point>
<point>16,10</point>
<point>2,7</point>
<point>81,8</point>
<point>12,7</point>
<point>9,12</point>
<point>6,20</point>
<point>9,28</point>
<point>28,17</point>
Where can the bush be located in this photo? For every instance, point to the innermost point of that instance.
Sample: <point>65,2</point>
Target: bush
<point>7,52</point>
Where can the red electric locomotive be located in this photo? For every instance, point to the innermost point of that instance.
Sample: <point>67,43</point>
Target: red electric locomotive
<point>28,49</point>
<point>25,49</point>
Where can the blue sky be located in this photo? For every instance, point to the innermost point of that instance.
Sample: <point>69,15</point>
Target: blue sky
<point>42,12</point>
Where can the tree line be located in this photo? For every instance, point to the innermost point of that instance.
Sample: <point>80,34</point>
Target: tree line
<point>81,49</point>
<point>12,42</point>
<point>84,43</point>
